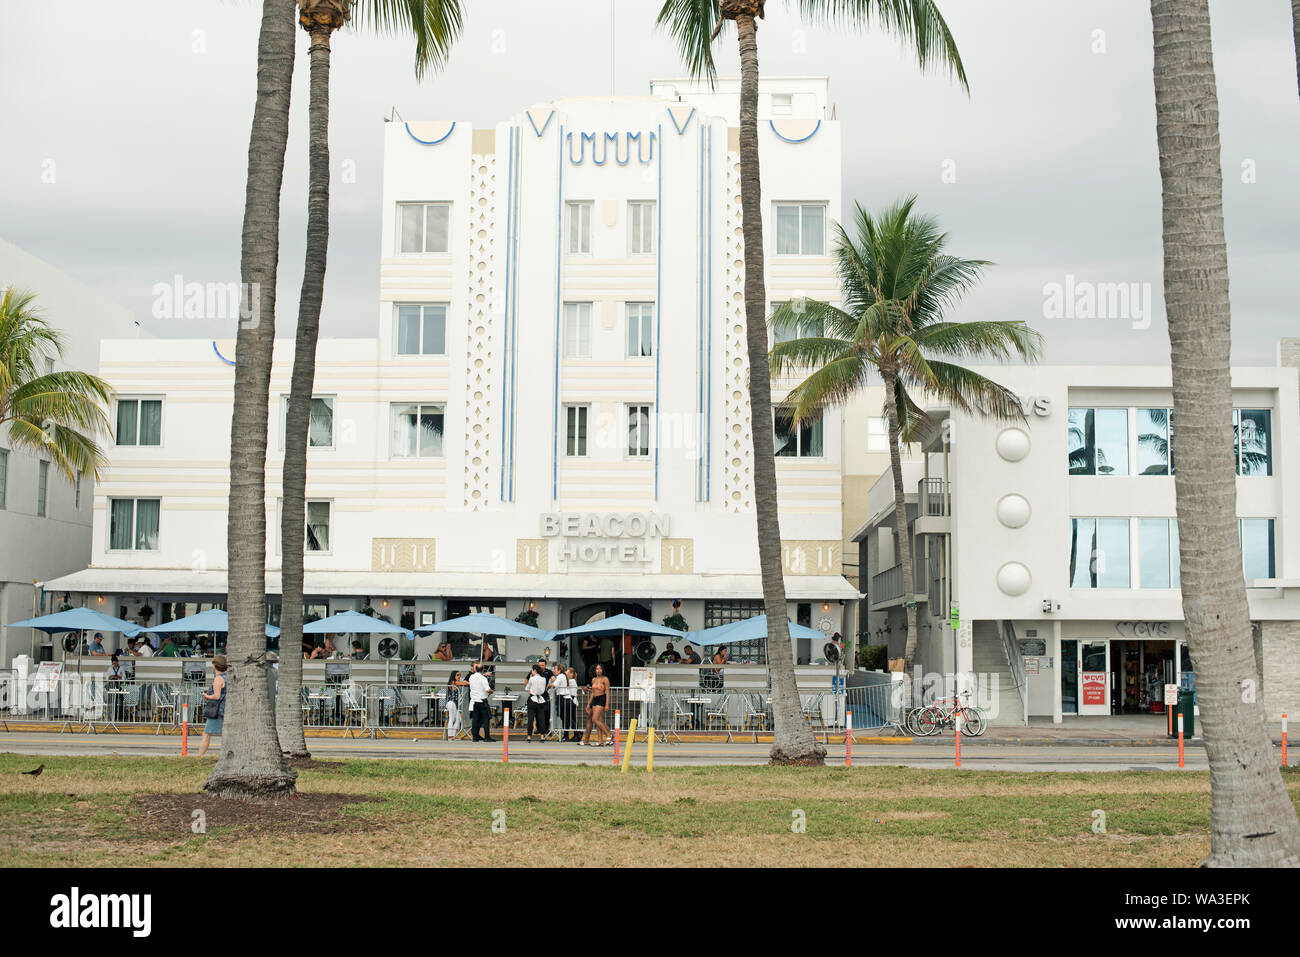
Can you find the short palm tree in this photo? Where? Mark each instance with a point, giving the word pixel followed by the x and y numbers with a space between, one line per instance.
pixel 896 283
pixel 63 413
pixel 695 24
pixel 435 25
pixel 1252 819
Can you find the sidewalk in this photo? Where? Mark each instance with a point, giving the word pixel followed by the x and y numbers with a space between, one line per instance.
pixel 1102 730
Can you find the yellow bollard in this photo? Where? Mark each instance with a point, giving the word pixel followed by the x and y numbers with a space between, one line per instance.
pixel 650 752
pixel 627 750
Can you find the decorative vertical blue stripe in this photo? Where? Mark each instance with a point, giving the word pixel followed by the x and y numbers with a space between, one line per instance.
pixel 659 312
pixel 708 392
pixel 514 315
pixel 505 352
pixel 559 296
pixel 699 330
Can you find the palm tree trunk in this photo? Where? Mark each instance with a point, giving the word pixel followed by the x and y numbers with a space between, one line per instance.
pixel 792 741
pixel 250 766
pixel 288 716
pixel 1253 822
pixel 900 518
pixel 1295 30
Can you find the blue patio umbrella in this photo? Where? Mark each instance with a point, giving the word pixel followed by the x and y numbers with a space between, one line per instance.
pixel 353 622
pixel 214 620
pixel 747 630
pixel 79 619
pixel 623 624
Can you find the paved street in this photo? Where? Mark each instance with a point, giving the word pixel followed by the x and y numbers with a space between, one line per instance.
pixel 980 756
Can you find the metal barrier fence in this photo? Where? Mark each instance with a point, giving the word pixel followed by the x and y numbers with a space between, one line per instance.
pixel 90 704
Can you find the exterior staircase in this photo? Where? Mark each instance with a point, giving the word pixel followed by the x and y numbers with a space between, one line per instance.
pixel 990 658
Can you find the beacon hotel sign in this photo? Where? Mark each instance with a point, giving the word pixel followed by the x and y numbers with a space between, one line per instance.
pixel 608 538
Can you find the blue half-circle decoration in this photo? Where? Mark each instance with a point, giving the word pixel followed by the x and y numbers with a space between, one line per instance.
pixel 228 362
pixel 791 139
pixel 429 142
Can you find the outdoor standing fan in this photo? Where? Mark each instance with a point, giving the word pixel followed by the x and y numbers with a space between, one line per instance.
pixel 388 647
pixel 831 651
pixel 70 643
pixel 644 651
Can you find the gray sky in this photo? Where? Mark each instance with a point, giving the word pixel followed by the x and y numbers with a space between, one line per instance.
pixel 140 114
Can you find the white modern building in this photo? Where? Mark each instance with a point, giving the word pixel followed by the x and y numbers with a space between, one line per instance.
pixel 553 412
pixel 1055 543
pixel 45 519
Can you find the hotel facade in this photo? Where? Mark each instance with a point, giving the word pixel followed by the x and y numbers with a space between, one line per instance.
pixel 1046 550
pixel 553 411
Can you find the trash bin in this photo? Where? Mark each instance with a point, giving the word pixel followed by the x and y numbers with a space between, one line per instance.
pixel 1187 708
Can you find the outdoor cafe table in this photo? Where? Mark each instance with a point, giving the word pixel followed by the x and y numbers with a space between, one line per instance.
pixel 429 699
pixel 507 701
pixel 320 697
pixel 381 696
pixel 115 708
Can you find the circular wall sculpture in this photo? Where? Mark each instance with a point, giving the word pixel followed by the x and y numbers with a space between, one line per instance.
pixel 1012 444
pixel 1014 579
pixel 1013 510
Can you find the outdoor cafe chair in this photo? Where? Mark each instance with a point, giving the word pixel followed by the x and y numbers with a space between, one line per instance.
pixel 163 706
pixel 402 710
pixel 129 703
pixel 715 713
pixel 755 718
pixel 683 717
pixel 353 708
pixel 812 710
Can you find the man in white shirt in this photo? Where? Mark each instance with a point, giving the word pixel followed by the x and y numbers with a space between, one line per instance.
pixel 566 688
pixel 144 649
pixel 536 688
pixel 480 709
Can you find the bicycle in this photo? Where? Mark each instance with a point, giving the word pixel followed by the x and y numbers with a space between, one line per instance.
pixel 934 718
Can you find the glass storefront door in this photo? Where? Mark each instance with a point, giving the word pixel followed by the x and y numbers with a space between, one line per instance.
pixel 1069 676
pixel 1094 677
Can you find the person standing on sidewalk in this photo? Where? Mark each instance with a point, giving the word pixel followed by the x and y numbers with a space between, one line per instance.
pixel 536 688
pixel 480 710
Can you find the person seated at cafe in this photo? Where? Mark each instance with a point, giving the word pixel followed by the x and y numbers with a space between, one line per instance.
pixel 201 647
pixel 168 649
pixel 489 653
pixel 444 651
pixel 115 672
pixel 143 649
pixel 97 645
pixel 358 653
pixel 318 652
pixel 308 647
pixel 689 656
pixel 668 656
pixel 330 650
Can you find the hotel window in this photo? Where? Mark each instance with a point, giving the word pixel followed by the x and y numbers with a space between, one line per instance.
pixel 640 329
pixel 1251 441
pixel 4 477
pixel 42 489
pixel 640 228
pixel 724 612
pixel 1099 553
pixel 877 434
pixel 799 439
pixel 320 423
pixel 804 328
pixel 800 229
pixel 133 524
pixel 422 329
pixel 1158 553
pixel 424 227
pixel 579 227
pixel 139 422
pixel 1258 548
pixel 1098 441
pixel 576 430
pixel 318 527
pixel 577 330
pixel 1155 442
pixel 638 430
pixel 417 431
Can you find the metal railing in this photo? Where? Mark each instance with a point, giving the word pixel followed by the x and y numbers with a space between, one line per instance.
pixel 887 585
pixel 931 497
pixel 1012 648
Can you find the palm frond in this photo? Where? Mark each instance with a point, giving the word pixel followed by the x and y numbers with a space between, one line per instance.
pixel 435 25
pixel 690 23
pixel 971 392
pixel 986 339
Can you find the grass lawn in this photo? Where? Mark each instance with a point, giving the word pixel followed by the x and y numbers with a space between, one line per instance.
pixel 120 811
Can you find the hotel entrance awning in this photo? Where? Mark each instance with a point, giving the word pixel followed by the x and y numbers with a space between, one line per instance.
pixel 186 582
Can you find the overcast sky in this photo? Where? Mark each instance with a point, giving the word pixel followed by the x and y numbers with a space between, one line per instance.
pixel 139 114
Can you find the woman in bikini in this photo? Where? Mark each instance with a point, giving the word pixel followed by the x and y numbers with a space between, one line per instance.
pixel 596 709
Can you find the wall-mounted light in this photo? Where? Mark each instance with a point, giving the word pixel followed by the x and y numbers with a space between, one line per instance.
pixel 826 606
pixel 385 602
pixel 532 606
pixel 100 599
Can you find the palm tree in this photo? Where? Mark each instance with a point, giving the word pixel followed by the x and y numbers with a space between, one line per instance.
pixel 251 766
pixel 896 281
pixel 435 24
pixel 1252 819
pixel 695 24
pixel 60 414
pixel 1295 30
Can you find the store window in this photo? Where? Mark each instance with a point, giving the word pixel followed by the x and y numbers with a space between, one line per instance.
pixel 1252 441
pixel 1098 441
pixel 1099 553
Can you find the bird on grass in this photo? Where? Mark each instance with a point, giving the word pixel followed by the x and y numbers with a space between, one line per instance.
pixel 35 772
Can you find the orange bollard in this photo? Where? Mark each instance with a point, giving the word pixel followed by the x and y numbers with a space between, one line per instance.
pixel 185 730
pixel 505 738
pixel 1180 739
pixel 848 739
pixel 1284 739
pixel 957 725
pixel 618 721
